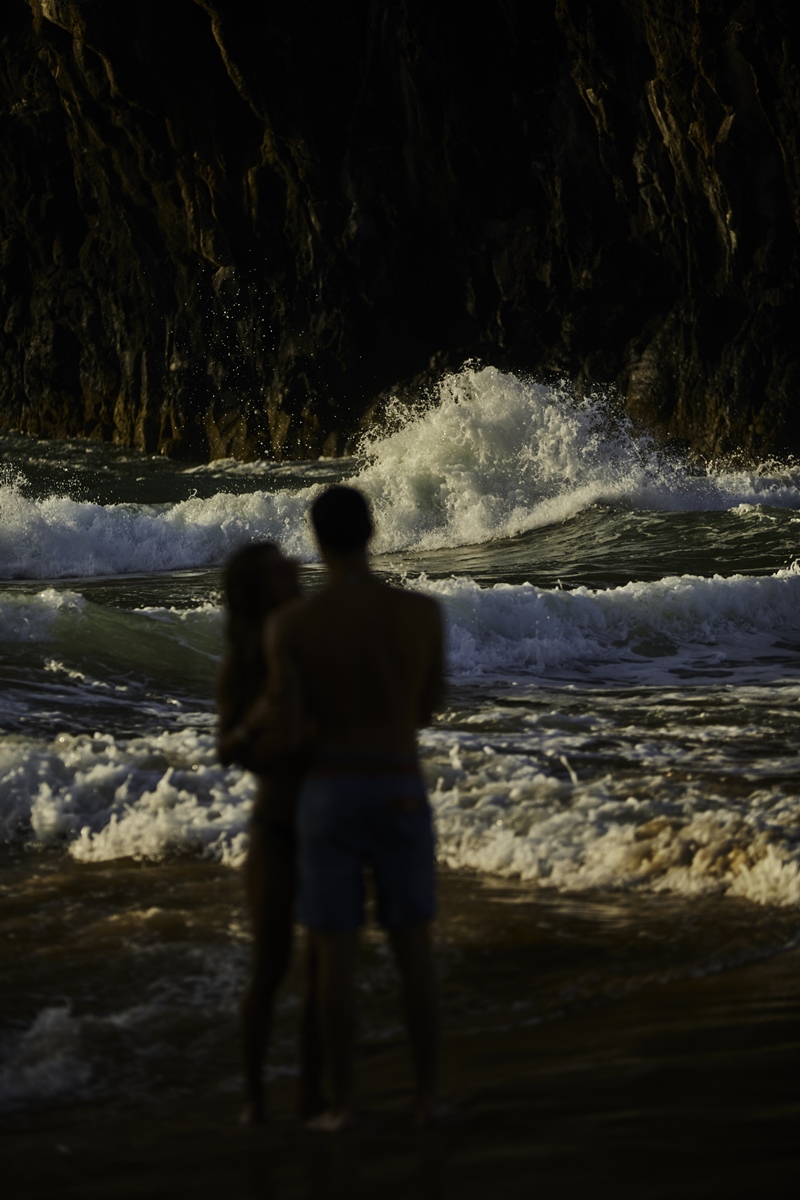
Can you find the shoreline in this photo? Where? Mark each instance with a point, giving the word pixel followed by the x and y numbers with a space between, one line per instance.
pixel 683 1085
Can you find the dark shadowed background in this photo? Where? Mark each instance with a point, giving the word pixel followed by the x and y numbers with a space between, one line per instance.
pixel 230 229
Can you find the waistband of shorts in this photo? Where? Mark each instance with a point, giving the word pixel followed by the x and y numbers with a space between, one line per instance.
pixel 332 762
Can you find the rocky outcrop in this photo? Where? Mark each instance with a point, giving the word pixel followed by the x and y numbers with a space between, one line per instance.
pixel 228 229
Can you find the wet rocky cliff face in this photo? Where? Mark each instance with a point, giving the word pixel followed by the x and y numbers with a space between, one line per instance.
pixel 226 228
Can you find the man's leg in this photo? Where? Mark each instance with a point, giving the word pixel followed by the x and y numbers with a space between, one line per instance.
pixel 336 953
pixel 412 948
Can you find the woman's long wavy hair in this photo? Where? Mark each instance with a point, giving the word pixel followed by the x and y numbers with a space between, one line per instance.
pixel 248 602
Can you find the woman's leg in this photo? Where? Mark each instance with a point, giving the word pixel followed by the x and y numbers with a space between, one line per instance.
pixel 311 1096
pixel 270 881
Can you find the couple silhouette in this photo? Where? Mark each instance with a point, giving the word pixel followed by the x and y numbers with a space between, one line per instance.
pixel 321 696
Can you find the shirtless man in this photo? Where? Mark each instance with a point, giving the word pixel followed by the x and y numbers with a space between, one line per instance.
pixel 360 663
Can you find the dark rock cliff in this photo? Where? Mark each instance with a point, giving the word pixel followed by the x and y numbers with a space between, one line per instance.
pixel 227 228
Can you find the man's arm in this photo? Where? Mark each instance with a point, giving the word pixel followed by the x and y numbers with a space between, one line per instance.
pixel 234 734
pixel 274 725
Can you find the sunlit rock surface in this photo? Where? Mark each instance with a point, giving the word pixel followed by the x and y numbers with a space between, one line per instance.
pixel 226 228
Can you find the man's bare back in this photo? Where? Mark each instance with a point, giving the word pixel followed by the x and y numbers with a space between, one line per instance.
pixel 366 660
pixel 358 668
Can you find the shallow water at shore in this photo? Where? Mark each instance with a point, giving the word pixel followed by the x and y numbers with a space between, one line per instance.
pixel 131 976
pixel 657 1084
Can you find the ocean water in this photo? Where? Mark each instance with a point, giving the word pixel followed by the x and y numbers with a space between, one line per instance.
pixel 620 736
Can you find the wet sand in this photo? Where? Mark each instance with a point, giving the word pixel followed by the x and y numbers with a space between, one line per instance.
pixel 642 1087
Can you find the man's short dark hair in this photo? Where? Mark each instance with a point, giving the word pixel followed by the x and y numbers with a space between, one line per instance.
pixel 341 519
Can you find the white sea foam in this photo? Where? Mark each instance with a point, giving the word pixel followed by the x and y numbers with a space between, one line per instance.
pixel 59 537
pixel 139 798
pixel 647 629
pixel 490 456
pixel 47 1061
pixel 66 1053
pixel 659 626
pixel 532 803
pixel 497 455
pixel 506 814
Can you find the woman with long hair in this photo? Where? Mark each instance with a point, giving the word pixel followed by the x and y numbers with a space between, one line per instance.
pixel 258 579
